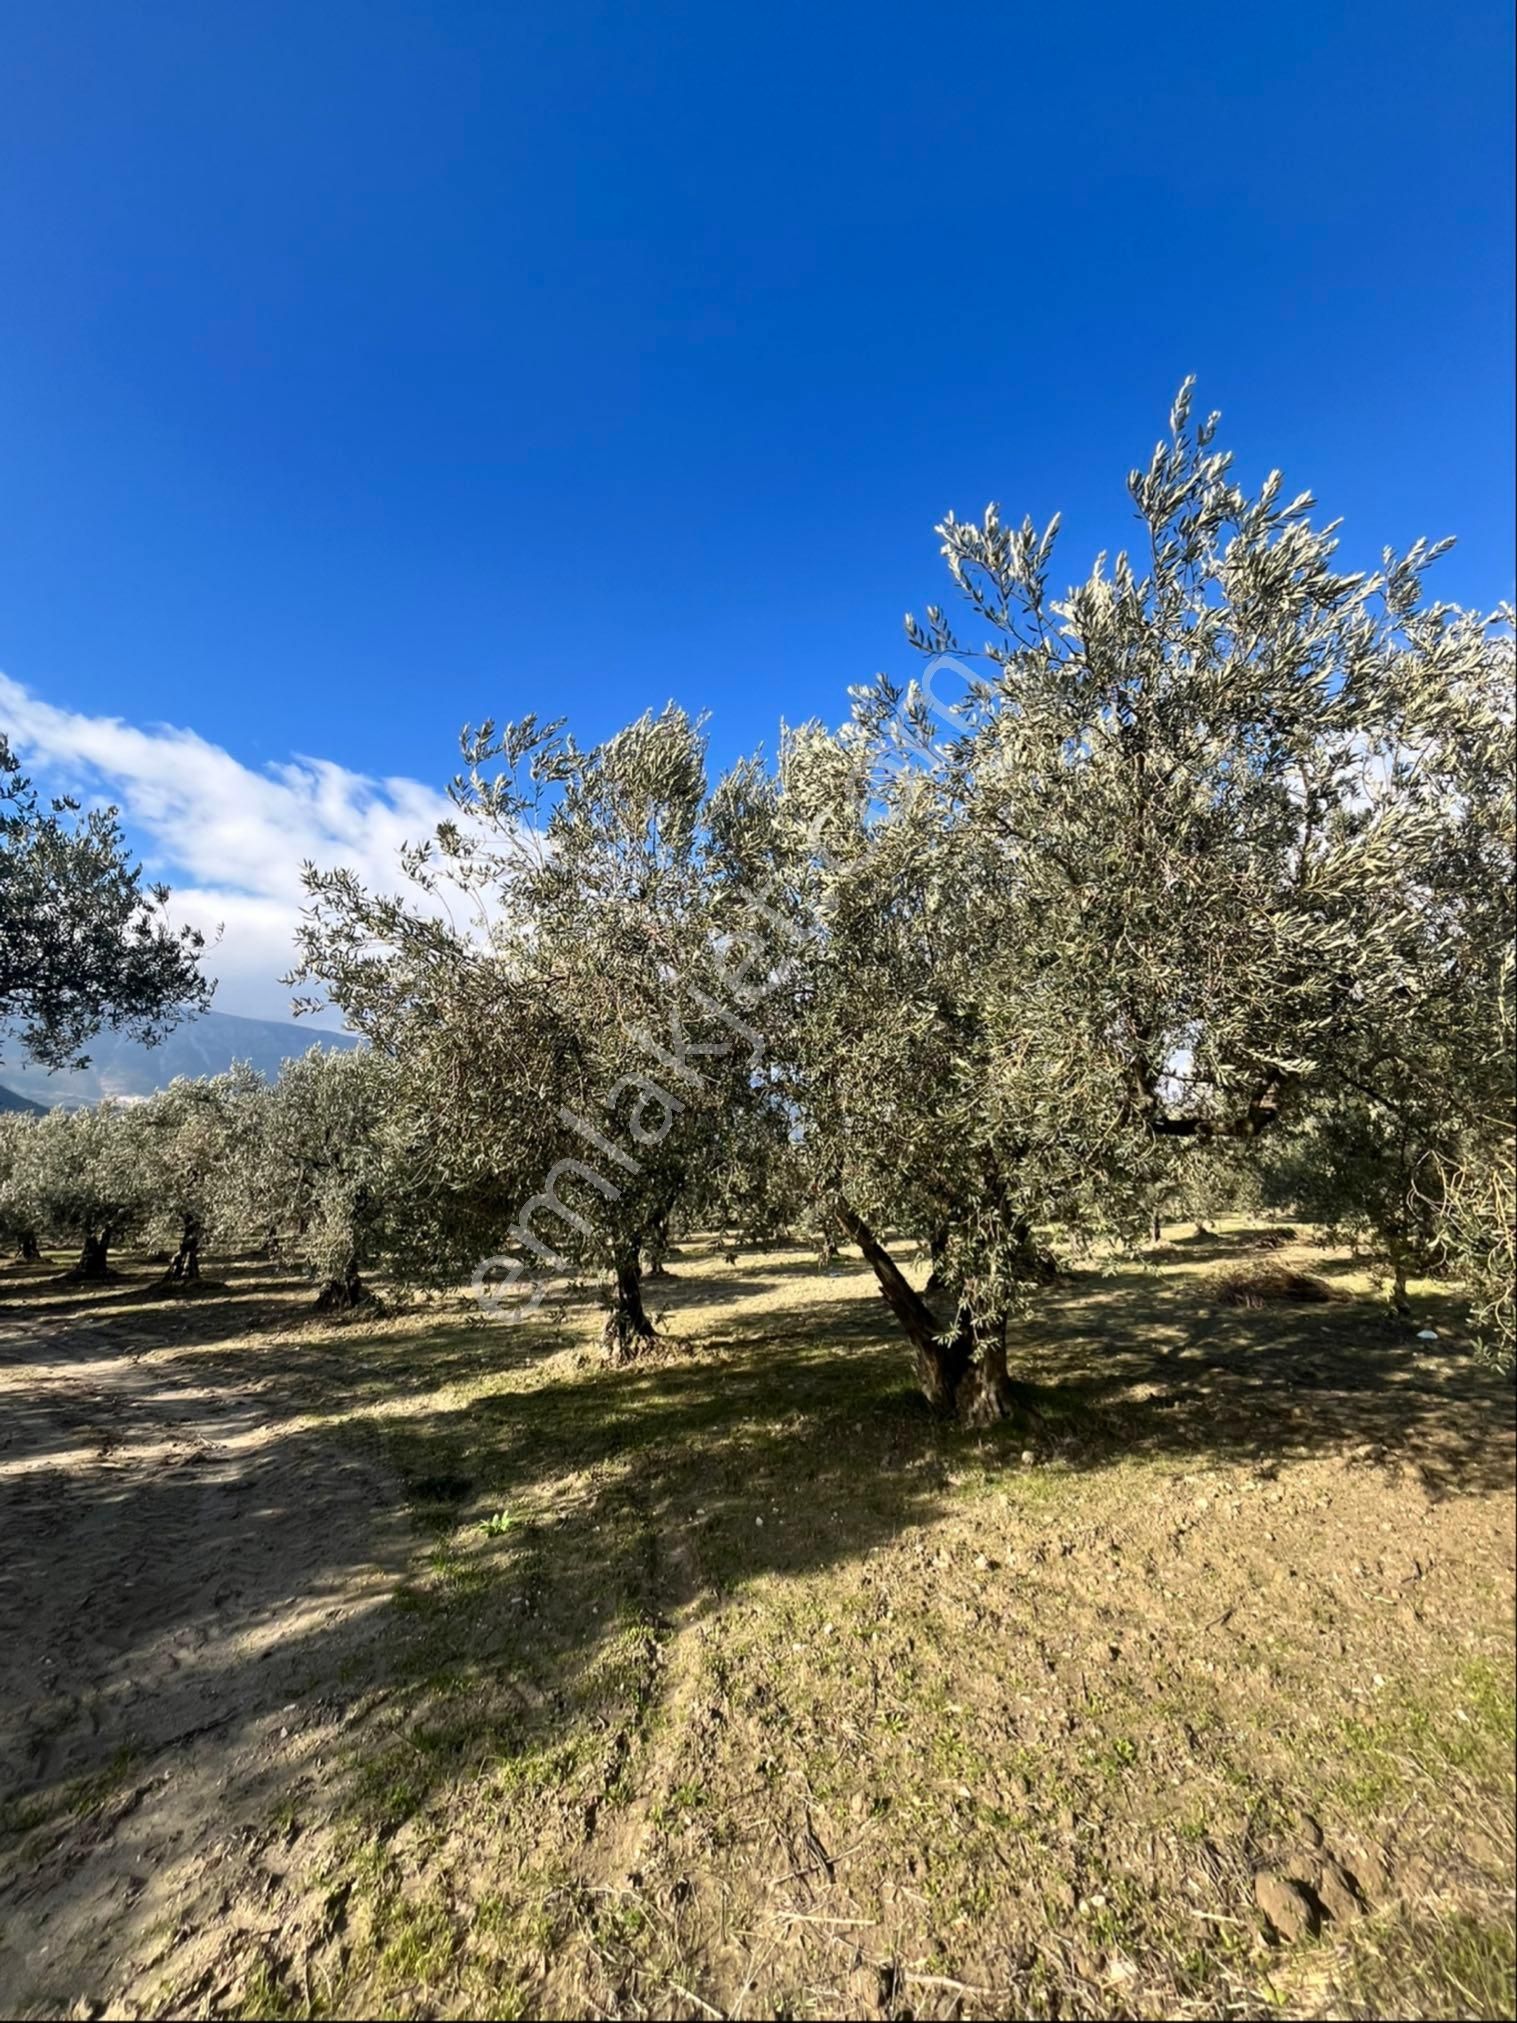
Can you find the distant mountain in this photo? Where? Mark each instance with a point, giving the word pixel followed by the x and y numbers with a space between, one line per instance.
pixel 9 1100
pixel 207 1045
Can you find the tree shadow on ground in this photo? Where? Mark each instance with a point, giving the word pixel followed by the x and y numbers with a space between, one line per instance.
pixel 236 1298
pixel 270 1302
pixel 680 1294
pixel 1206 1245
pixel 623 1500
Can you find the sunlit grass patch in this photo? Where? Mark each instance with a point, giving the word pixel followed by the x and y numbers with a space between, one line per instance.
pixel 1044 1701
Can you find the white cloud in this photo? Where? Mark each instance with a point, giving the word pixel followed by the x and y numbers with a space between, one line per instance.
pixel 230 840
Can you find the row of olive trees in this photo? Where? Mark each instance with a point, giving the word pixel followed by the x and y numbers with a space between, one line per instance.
pixel 303 1169
pixel 1210 859
pixel 331 1167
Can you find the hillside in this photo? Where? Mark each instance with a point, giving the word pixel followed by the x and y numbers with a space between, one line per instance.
pixel 122 1067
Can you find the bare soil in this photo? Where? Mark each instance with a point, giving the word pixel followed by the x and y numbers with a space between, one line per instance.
pixel 426 1666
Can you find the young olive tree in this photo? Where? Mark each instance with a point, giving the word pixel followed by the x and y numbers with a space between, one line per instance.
pixel 18 1220
pixel 749 1186
pixel 328 1170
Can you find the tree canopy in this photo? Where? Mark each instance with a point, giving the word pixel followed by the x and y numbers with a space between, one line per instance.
pixel 83 942
pixel 1197 878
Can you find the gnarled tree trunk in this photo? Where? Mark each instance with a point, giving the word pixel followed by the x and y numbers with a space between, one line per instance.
pixel 628 1327
pixel 940 1364
pixel 344 1292
pixel 961 1370
pixel 95 1257
pixel 185 1263
pixel 987 1392
pixel 30 1250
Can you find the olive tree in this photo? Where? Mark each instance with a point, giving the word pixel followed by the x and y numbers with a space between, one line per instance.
pixel 326 1169
pixel 870 1008
pixel 199 1142
pixel 18 1219
pixel 1408 1142
pixel 83 942
pixel 546 990
pixel 1134 887
pixel 80 1174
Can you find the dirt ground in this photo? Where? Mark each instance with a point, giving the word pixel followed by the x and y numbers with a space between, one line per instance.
pixel 431 1667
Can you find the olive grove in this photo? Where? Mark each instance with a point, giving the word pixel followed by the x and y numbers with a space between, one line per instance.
pixel 1195 879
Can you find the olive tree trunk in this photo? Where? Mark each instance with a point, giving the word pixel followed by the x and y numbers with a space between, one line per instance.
pixel 987 1391
pixel 961 1370
pixel 94 1257
pixel 343 1292
pixel 185 1263
pixel 937 1247
pixel 655 1249
pixel 1400 1302
pixel 628 1328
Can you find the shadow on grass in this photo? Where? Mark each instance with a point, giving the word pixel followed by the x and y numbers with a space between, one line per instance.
pixel 263 1296
pixel 781 1444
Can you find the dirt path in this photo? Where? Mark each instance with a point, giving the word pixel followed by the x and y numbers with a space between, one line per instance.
pixel 188 1574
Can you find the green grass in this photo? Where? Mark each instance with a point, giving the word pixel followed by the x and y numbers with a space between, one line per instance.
pixel 665 1629
pixel 1462 1720
pixel 736 1494
pixel 1452 1964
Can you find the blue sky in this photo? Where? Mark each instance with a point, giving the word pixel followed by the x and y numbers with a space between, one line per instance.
pixel 365 368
